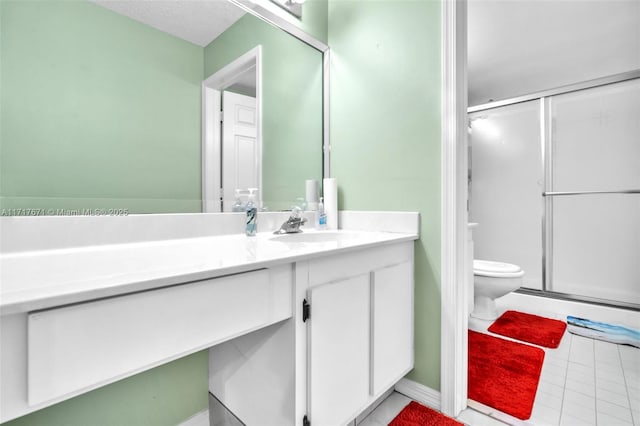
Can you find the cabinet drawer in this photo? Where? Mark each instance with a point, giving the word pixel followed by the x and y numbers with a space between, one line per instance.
pixel 80 347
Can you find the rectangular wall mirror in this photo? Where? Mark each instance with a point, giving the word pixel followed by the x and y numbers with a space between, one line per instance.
pixel 102 107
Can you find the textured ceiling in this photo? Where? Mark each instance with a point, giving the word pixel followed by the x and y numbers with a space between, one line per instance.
pixel 197 21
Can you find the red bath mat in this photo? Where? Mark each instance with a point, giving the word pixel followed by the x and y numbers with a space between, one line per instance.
pixel 503 374
pixel 530 328
pixel 416 414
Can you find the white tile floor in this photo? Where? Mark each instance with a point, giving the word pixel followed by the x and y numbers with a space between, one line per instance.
pixel 589 382
pixel 583 382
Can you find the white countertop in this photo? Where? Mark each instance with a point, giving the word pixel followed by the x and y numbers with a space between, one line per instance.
pixel 34 280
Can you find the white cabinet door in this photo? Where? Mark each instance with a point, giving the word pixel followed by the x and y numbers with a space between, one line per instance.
pixel 338 350
pixel 392 325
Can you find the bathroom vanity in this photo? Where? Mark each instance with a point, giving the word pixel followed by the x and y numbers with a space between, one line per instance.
pixel 314 327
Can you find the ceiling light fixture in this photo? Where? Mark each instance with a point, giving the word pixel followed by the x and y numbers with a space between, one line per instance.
pixel 294 7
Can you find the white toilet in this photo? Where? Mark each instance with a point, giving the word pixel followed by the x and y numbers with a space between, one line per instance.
pixel 492 280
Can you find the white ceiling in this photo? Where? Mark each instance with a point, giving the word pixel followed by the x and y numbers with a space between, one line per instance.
pixel 518 47
pixel 196 21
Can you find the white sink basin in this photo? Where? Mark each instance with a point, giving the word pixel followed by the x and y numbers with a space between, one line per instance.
pixel 314 237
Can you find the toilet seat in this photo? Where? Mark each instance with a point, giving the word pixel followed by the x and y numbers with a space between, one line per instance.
pixel 487 268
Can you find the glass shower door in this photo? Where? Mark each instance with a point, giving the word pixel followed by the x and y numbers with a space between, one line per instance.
pixel 593 193
pixel 506 184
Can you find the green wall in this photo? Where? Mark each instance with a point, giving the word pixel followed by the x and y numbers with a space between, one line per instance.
pixel 292 105
pixel 163 396
pixel 97 111
pixel 385 134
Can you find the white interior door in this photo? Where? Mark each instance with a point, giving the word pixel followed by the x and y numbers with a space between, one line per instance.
pixel 241 168
pixel 338 350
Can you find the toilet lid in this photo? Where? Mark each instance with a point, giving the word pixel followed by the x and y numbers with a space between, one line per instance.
pixel 495 267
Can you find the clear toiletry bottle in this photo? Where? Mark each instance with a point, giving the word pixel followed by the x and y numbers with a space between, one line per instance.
pixel 252 214
pixel 238 206
pixel 322 215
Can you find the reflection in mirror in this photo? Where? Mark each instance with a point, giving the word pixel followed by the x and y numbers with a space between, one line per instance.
pixel 101 105
pixel 294 7
pixel 232 133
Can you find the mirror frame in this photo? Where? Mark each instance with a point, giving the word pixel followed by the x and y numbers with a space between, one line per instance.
pixel 279 22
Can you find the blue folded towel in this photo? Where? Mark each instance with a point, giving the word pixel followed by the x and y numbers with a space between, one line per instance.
pixel 603 331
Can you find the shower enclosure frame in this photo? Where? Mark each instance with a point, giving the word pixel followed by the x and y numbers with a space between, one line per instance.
pixel 543 99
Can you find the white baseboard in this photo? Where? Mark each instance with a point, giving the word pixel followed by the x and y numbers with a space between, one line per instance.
pixel 198 419
pixel 418 392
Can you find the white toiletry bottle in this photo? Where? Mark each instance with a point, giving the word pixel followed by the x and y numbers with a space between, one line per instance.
pixel 238 206
pixel 322 215
pixel 252 214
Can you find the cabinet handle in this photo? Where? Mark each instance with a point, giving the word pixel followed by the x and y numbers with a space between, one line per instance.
pixel 306 310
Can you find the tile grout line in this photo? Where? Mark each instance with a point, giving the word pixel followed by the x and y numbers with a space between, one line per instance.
pixel 566 377
pixel 566 374
pixel 626 387
pixel 595 382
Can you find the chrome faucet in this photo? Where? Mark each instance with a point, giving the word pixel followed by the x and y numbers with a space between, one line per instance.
pixel 293 224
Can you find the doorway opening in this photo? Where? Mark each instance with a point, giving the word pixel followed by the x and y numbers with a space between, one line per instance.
pixel 232 132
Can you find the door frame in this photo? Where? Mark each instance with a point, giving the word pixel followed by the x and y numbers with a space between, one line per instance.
pixel 454 281
pixel 212 89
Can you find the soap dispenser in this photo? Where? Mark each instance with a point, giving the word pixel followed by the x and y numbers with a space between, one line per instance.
pixel 322 215
pixel 252 214
pixel 238 206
